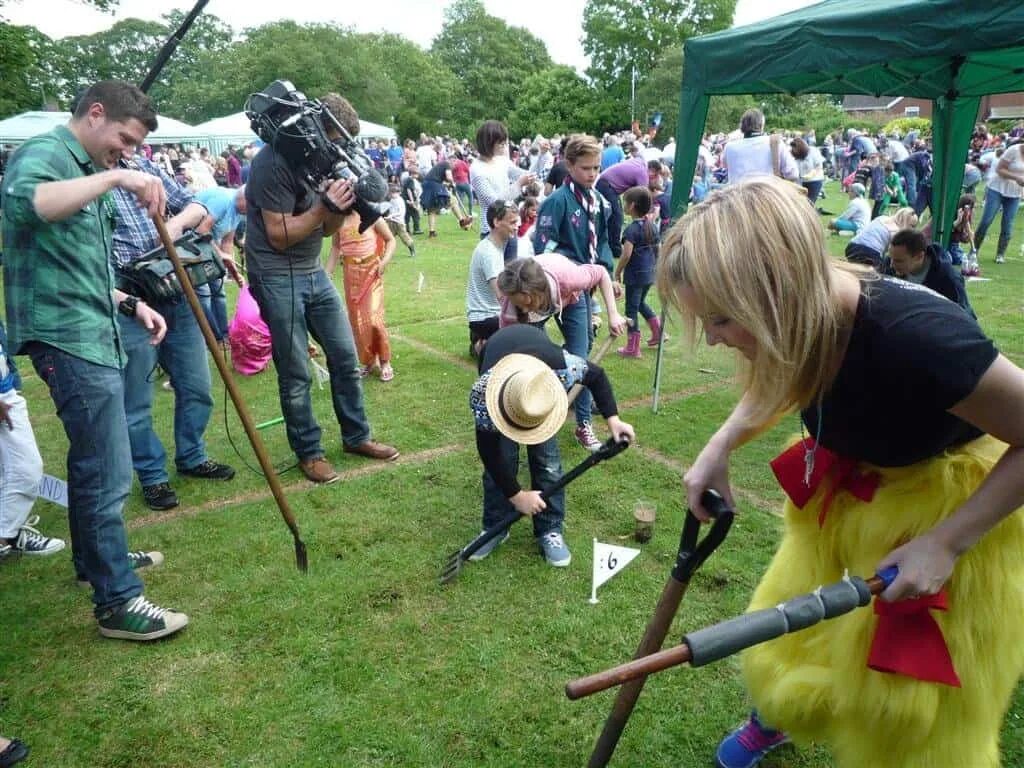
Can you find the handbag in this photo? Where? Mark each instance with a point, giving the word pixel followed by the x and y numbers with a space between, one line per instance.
pixel 152 275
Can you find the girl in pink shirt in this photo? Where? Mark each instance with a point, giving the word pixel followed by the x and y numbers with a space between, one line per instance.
pixel 533 289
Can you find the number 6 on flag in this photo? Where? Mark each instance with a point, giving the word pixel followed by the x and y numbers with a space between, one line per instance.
pixel 607 561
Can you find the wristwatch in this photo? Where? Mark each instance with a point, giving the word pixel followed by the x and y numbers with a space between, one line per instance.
pixel 128 306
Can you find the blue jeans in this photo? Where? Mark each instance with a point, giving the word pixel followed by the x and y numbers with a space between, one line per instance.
pixel 294 306
pixel 909 173
pixel 636 296
pixel 813 190
pixel 215 307
pixel 182 354
pixel 90 403
pixel 993 202
pixel 578 333
pixel 465 192
pixel 545 462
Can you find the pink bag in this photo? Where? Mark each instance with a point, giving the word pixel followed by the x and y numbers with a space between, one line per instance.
pixel 249 336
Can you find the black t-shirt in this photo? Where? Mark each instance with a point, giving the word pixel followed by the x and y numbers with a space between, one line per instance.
pixel 557 174
pixel 912 355
pixel 439 172
pixel 409 190
pixel 275 187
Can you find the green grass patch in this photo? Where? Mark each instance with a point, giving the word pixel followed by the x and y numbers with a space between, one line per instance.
pixel 365 661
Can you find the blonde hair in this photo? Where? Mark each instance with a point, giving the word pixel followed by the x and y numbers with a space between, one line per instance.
pixel 755 253
pixel 905 218
pixel 580 145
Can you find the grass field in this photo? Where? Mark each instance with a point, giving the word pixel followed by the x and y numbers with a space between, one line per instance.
pixel 365 661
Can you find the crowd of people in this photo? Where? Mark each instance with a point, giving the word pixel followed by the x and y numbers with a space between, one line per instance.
pixel 748 266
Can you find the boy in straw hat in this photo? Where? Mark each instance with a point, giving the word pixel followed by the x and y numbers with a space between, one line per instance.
pixel 520 399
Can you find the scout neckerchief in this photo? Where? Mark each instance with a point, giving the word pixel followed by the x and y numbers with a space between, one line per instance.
pixel 587 198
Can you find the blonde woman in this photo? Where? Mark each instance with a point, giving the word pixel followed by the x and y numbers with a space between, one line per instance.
pixel 870 244
pixel 912 455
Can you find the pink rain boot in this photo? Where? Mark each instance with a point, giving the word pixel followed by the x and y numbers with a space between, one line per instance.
pixel 656 332
pixel 632 348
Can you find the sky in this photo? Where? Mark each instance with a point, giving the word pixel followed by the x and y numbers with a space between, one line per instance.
pixel 558 24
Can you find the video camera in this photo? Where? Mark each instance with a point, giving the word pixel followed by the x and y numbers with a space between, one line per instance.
pixel 296 127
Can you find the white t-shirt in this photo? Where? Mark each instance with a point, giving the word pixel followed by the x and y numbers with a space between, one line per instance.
pixel 396 209
pixel 752 157
pixel 895 151
pixel 1008 187
pixel 426 157
pixel 485 265
pixel 858 212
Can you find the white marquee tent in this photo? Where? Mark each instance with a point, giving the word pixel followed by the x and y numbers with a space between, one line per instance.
pixel 216 133
pixel 234 129
pixel 16 129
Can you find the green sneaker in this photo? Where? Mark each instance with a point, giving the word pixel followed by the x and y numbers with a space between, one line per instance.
pixel 139 619
pixel 136 560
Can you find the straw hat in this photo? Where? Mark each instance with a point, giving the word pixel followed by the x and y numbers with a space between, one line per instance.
pixel 525 399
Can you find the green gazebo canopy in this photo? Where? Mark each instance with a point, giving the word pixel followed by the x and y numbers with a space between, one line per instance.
pixel 952 52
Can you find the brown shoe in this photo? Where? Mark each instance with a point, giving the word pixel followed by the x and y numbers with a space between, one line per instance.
pixel 319 470
pixel 371 449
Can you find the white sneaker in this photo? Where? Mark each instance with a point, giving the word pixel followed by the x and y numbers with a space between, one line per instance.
pixel 31 542
pixel 1000 259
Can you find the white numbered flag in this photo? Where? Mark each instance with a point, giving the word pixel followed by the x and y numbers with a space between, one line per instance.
pixel 608 561
pixel 54 489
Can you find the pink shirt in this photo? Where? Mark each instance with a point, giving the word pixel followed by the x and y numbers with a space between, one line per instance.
pixel 566 281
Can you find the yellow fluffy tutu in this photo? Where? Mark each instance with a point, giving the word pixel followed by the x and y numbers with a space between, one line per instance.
pixel 816 685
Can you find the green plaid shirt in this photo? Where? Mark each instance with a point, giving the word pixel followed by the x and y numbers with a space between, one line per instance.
pixel 58 281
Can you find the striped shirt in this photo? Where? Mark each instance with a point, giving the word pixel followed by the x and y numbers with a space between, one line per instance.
pixel 136 233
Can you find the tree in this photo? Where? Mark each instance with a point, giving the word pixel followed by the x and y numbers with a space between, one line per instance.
pixel 427 89
pixel 123 52
pixel 208 39
pixel 558 100
pixel 620 36
pixel 26 84
pixel 490 58
pixel 316 58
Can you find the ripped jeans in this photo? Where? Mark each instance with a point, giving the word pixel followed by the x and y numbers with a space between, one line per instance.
pixel 545 470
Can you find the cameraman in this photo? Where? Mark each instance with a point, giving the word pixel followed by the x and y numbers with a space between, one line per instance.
pixel 286 223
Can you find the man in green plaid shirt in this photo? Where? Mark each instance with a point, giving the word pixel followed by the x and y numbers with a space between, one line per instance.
pixel 62 311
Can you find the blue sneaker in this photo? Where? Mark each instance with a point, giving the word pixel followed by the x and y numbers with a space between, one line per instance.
pixel 744 747
pixel 489 547
pixel 553 546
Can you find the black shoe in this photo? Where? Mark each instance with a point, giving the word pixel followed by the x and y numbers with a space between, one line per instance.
pixel 209 470
pixel 159 496
pixel 13 753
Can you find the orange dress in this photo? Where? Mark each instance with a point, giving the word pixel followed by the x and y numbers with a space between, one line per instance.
pixel 364 291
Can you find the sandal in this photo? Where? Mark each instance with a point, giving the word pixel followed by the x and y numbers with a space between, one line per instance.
pixel 387 373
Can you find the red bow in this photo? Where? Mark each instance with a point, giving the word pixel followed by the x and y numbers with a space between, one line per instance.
pixel 790 465
pixel 907 641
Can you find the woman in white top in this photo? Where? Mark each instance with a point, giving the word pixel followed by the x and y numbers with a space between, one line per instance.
pixel 811 165
pixel 1004 189
pixel 494 177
